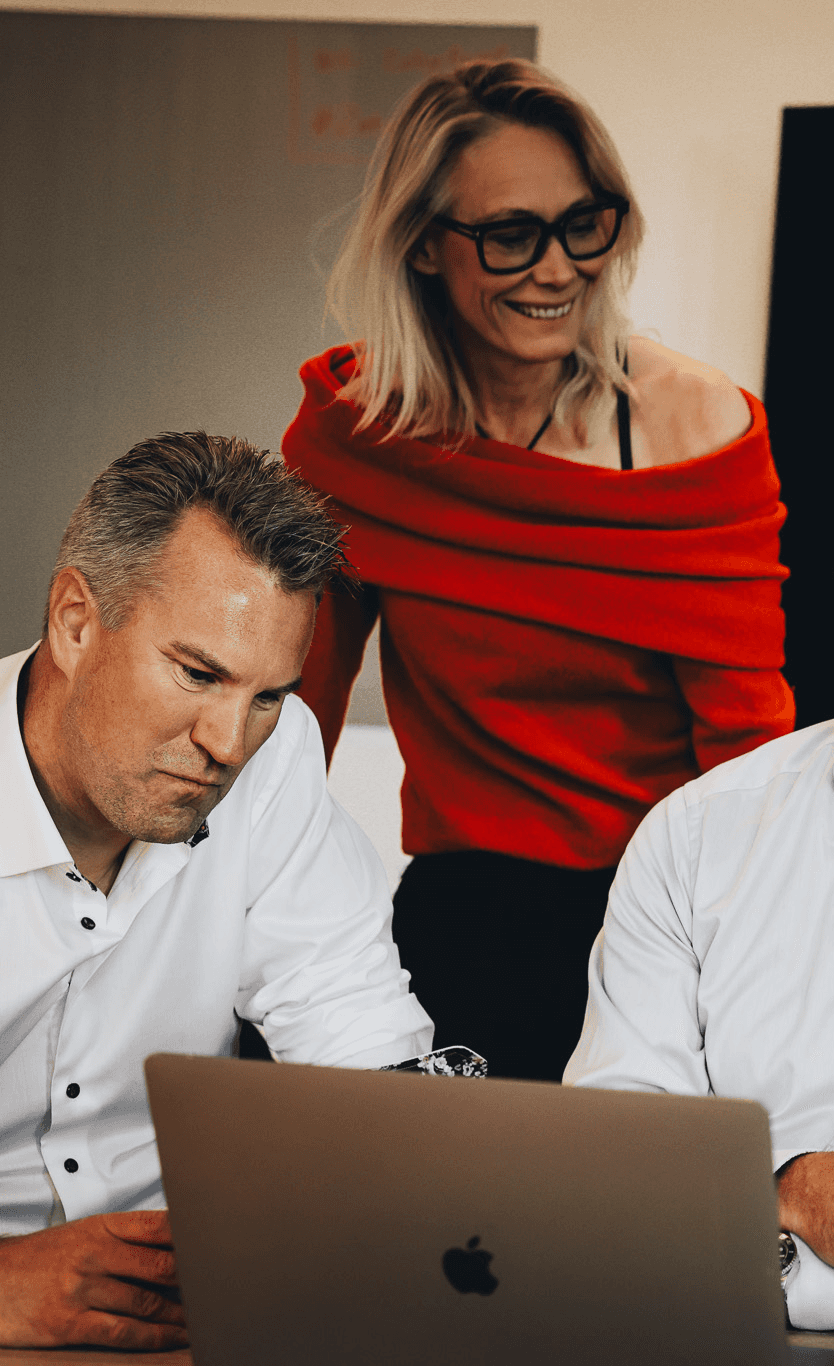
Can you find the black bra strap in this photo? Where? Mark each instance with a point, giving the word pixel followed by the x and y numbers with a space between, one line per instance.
pixel 542 429
pixel 624 425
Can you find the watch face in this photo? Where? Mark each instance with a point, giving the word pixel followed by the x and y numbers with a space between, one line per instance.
pixel 787 1252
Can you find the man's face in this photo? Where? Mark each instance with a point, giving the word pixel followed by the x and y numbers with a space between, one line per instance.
pixel 163 714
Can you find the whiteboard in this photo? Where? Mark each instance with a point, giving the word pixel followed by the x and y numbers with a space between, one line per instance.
pixel 169 186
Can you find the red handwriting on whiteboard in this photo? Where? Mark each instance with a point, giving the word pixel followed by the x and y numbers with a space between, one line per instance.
pixel 344 120
pixel 343 60
pixel 417 60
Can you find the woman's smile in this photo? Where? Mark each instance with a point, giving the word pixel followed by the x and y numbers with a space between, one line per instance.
pixel 545 311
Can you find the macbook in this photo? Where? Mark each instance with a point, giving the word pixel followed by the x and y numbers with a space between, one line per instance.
pixel 335 1217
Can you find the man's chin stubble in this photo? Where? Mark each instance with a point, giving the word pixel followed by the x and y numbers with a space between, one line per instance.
pixel 168 830
pixel 171 825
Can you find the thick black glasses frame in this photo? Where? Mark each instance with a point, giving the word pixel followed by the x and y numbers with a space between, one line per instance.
pixel 558 229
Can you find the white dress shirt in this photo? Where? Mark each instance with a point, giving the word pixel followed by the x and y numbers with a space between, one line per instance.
pixel 281 914
pixel 714 972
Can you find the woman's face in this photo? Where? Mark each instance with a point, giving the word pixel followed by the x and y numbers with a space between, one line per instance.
pixel 538 314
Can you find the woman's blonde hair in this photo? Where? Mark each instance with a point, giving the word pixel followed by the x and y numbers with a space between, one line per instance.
pixel 409 372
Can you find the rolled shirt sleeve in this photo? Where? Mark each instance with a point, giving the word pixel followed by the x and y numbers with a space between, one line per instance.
pixel 320 973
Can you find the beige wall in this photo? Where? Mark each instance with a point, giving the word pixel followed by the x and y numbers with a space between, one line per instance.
pixel 692 93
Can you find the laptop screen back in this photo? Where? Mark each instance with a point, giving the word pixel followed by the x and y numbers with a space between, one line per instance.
pixel 331 1216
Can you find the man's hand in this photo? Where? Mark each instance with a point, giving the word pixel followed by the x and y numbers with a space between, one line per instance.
pixel 806 1202
pixel 106 1281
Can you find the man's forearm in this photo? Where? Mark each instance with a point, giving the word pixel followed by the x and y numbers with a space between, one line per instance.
pixel 806 1201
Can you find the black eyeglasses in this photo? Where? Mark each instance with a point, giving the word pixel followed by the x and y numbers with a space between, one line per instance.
pixel 507 245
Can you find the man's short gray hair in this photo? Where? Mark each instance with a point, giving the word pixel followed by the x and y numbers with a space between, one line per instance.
pixel 120 527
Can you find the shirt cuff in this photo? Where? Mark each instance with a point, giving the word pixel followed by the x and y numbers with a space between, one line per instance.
pixel 811 1291
pixel 408 1046
pixel 383 1054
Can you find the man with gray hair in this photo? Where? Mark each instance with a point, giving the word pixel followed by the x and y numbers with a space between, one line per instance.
pixel 180 611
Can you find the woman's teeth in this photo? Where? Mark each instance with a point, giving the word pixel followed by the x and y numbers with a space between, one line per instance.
pixel 532 311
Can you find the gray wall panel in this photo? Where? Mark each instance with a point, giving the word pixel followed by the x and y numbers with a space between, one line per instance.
pixel 165 181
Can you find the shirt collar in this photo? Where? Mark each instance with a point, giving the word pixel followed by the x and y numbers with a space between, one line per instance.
pixel 29 838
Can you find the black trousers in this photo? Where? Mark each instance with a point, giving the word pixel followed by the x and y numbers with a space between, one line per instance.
pixel 497 948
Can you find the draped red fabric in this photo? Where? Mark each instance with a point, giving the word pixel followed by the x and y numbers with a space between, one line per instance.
pixel 519 592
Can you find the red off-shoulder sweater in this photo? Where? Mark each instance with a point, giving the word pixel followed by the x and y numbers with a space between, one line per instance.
pixel 561 645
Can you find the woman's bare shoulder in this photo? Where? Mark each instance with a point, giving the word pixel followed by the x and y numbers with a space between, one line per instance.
pixel 685 409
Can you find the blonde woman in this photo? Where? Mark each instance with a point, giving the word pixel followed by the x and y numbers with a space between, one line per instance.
pixel 570 535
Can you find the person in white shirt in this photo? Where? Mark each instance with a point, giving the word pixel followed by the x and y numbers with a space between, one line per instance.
pixel 713 973
pixel 180 612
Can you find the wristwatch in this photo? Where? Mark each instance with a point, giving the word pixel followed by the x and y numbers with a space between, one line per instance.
pixel 788 1264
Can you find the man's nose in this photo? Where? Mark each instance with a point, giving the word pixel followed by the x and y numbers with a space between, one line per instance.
pixel 220 730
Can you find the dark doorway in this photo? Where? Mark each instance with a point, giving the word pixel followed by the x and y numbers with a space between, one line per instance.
pixel 798 394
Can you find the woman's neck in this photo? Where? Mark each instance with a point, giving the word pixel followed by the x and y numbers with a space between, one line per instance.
pixel 513 398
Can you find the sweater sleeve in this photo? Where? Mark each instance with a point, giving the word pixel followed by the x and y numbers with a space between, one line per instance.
pixel 343 624
pixel 733 710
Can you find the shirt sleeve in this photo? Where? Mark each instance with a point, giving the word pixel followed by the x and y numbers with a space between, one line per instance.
pixel 733 710
pixel 343 624
pixel 641 1029
pixel 320 972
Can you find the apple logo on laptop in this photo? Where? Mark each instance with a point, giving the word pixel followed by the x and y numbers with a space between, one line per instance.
pixel 467 1268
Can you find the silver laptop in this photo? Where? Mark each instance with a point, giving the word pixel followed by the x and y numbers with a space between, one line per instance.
pixel 332 1217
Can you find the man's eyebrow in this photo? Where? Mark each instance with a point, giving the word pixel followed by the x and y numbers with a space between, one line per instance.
pixel 207 662
pixel 283 690
pixel 211 665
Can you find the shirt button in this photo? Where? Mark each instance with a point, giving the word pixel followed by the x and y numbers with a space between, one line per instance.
pixel 71 1165
pixel 88 923
pixel 73 1090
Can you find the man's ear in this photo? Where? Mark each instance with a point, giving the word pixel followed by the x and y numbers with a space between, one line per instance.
pixel 74 621
pixel 424 255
